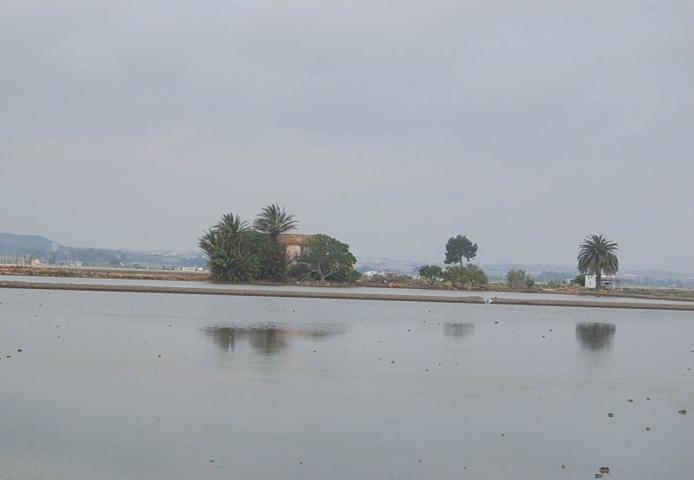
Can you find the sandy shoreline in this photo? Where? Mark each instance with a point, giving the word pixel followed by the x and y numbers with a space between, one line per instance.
pixel 337 295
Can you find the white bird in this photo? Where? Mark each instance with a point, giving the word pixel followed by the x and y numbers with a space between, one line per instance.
pixel 488 300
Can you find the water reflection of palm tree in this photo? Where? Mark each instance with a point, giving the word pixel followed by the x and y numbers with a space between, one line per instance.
pixel 267 339
pixel 595 336
pixel 458 330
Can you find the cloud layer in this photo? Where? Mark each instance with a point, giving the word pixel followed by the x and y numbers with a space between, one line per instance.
pixel 391 125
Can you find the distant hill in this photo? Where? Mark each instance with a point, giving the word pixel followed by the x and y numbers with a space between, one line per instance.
pixel 23 248
pixel 13 244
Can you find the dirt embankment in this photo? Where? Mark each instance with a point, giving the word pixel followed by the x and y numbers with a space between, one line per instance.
pixel 139 274
pixel 342 295
pixel 117 273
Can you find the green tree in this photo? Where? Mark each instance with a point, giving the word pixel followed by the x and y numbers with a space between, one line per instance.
pixel 328 258
pixel 598 255
pixel 230 250
pixel 431 273
pixel 299 271
pixel 516 278
pixel 274 261
pixel 456 276
pixel 274 221
pixel 476 276
pixel 458 248
pixel 460 277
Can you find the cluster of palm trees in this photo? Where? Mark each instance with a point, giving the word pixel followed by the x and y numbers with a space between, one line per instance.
pixel 237 252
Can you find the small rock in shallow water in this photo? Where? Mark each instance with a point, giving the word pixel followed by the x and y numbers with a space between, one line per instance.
pixel 610 414
pixel 682 412
pixel 648 429
pixel 604 469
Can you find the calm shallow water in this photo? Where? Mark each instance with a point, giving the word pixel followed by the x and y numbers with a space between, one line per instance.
pixel 130 386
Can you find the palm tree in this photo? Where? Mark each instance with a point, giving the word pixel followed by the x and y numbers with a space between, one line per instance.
pixel 274 221
pixel 227 249
pixel 231 225
pixel 596 255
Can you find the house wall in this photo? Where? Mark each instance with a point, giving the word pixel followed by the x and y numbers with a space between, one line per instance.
pixel 293 252
pixel 293 243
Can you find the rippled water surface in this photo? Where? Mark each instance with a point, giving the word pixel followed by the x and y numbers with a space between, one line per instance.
pixel 132 386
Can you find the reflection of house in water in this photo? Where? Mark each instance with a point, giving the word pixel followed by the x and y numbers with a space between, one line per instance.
pixel 458 330
pixel 595 336
pixel 268 339
pixel 294 244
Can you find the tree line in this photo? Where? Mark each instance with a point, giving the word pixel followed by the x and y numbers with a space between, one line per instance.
pixel 239 251
pixel 597 256
pixel 457 274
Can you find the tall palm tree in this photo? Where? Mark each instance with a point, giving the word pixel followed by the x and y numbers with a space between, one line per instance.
pixel 231 225
pixel 274 221
pixel 597 255
pixel 226 249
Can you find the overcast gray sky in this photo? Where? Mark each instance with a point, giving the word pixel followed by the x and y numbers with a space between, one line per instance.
pixel 391 125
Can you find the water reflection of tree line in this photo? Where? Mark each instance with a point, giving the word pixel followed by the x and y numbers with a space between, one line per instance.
pixel 595 335
pixel 268 339
pixel 458 330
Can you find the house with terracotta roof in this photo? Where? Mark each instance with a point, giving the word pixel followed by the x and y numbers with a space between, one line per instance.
pixel 294 244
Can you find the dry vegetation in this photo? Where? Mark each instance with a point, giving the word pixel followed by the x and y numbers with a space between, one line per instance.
pixel 79 272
